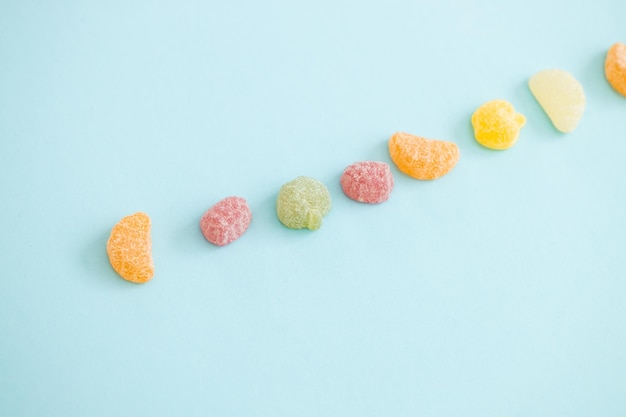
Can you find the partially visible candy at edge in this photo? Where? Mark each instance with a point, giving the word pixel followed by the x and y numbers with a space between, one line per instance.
pixel 615 67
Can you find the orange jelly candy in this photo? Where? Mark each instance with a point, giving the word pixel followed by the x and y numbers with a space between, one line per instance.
pixel 130 248
pixel 421 158
pixel 615 67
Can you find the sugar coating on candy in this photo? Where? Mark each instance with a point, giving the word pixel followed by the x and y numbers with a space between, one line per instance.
pixel 367 182
pixel 421 158
pixel 226 221
pixel 561 96
pixel 130 248
pixel 302 203
pixel 615 67
pixel 497 125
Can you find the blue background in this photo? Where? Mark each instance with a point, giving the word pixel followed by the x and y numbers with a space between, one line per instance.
pixel 497 290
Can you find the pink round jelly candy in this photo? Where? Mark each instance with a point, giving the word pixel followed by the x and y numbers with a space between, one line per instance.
pixel 226 221
pixel 367 182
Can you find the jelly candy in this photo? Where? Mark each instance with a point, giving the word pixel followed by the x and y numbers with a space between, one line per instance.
pixel 497 125
pixel 129 248
pixel 421 158
pixel 561 96
pixel 226 221
pixel 367 182
pixel 615 67
pixel 302 203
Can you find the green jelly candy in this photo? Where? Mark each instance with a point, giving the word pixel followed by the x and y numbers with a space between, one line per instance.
pixel 302 203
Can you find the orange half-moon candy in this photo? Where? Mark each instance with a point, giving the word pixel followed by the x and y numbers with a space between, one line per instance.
pixel 130 248
pixel 421 158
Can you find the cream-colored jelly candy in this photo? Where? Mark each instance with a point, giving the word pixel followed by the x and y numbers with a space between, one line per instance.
pixel 302 203
pixel 561 96
pixel 497 125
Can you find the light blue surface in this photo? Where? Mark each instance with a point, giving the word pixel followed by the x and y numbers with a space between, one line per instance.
pixel 497 290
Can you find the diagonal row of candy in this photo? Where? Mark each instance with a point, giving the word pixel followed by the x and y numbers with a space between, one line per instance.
pixel 303 202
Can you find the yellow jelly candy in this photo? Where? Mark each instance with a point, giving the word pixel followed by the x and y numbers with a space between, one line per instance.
pixel 615 67
pixel 129 248
pixel 497 125
pixel 421 158
pixel 561 96
pixel 302 203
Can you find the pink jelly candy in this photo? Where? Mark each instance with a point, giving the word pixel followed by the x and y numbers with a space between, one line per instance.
pixel 226 221
pixel 367 182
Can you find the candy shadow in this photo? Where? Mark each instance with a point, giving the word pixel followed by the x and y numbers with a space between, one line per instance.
pixel 537 121
pixel 463 134
pixel 188 238
pixel 379 152
pixel 593 75
pixel 264 219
